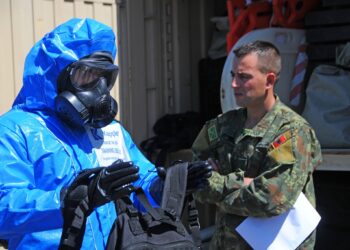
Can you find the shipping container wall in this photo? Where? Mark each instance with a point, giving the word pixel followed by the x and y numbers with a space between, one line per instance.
pixel 161 43
pixel 24 22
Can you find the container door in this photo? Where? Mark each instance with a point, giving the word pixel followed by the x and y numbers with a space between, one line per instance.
pixel 160 45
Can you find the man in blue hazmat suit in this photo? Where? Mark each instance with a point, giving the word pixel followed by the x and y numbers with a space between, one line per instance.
pixel 62 122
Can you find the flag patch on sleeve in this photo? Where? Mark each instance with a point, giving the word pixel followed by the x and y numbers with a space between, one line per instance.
pixel 282 139
pixel 281 149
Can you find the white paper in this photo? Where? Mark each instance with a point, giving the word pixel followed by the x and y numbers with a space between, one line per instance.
pixel 109 144
pixel 285 231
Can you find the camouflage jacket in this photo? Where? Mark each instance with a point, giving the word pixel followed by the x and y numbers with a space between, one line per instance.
pixel 280 153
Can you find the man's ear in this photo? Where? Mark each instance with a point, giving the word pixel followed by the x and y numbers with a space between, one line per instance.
pixel 271 79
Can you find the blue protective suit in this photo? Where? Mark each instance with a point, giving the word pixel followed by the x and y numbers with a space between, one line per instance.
pixel 40 154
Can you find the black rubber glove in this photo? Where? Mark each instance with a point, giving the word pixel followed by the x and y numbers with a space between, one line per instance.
pixel 197 177
pixel 93 188
pixel 113 183
pixel 198 174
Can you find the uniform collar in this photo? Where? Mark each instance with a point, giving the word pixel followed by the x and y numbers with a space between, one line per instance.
pixel 260 129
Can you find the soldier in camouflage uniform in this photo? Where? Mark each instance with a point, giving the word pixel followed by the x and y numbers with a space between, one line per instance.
pixel 265 152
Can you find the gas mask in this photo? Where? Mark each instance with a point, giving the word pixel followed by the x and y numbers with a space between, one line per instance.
pixel 84 91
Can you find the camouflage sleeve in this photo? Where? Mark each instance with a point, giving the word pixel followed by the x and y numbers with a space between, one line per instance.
pixel 219 187
pixel 201 151
pixel 200 146
pixel 287 167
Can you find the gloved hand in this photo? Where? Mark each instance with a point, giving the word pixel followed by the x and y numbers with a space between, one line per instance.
pixel 93 188
pixel 101 185
pixel 197 176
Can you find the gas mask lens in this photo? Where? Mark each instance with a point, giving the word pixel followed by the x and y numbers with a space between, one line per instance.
pixel 84 75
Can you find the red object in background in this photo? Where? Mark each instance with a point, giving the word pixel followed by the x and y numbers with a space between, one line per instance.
pixel 290 13
pixel 233 9
pixel 243 19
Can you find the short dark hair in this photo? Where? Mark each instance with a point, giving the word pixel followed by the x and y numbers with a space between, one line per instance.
pixel 268 54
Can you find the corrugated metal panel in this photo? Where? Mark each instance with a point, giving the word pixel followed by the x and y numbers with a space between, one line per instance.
pixel 43 17
pixel 7 86
pixel 153 55
pixel 159 54
pixel 142 68
pixel 26 21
